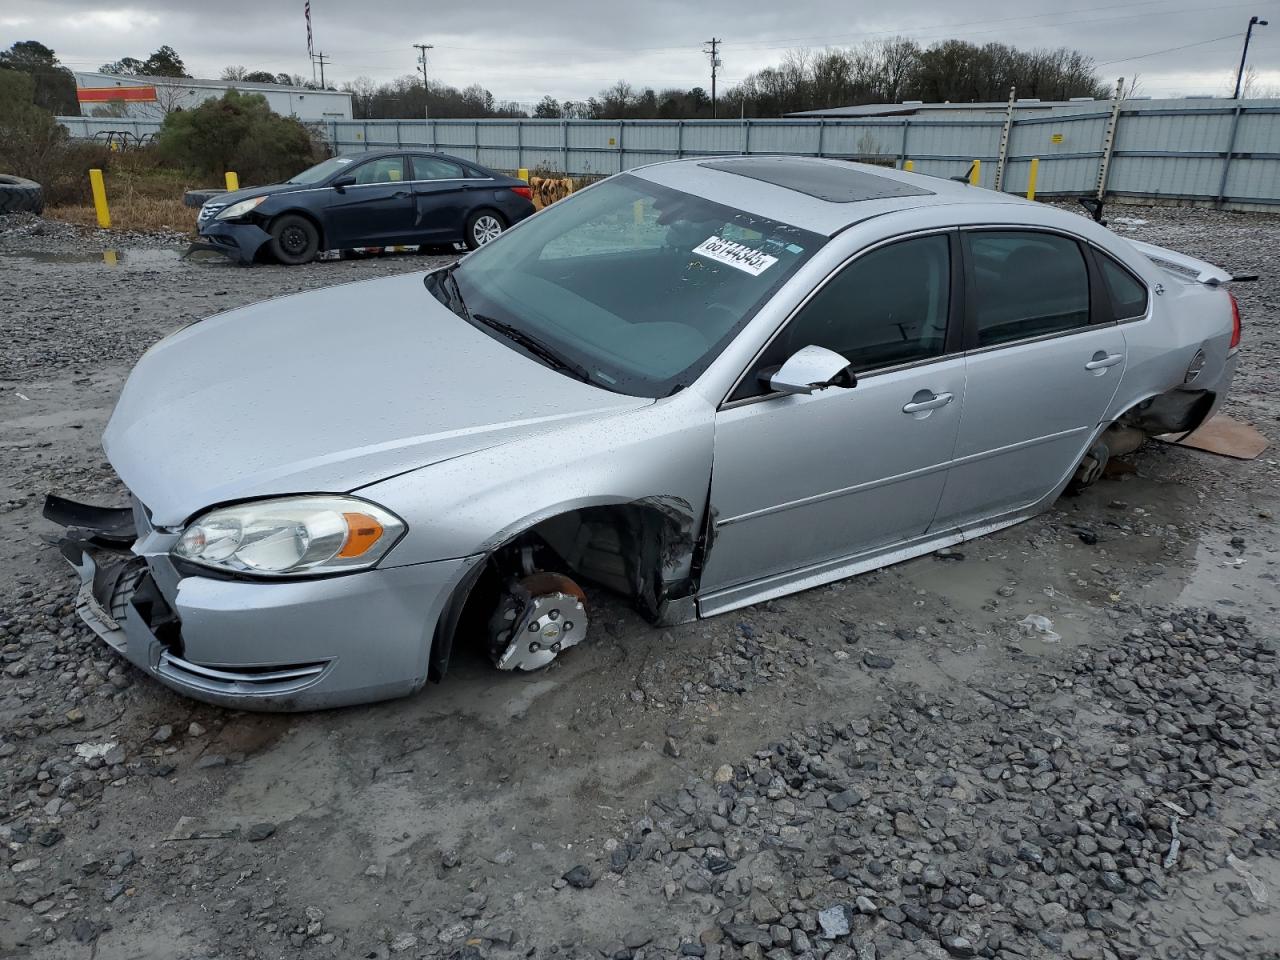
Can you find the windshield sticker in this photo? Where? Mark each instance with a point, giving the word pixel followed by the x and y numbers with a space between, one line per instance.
pixel 342 159
pixel 739 255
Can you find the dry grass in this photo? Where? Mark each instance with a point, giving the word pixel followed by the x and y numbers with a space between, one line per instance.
pixel 132 211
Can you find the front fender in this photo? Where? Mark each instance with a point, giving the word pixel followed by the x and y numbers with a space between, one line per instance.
pixel 657 454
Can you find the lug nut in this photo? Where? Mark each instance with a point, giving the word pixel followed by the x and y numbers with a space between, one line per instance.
pixel 535 647
pixel 568 625
pixel 554 615
pixel 533 626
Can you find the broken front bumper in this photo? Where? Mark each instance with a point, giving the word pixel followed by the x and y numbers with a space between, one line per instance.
pixel 282 645
pixel 239 240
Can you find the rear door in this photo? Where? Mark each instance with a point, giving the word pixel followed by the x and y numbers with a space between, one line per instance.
pixel 441 191
pixel 803 483
pixel 1044 360
pixel 376 210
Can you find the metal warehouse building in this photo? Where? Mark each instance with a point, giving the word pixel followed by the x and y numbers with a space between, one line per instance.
pixel 150 98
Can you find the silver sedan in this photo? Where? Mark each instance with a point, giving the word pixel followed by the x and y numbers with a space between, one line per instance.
pixel 701 384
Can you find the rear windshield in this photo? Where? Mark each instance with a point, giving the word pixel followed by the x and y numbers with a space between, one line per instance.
pixel 639 285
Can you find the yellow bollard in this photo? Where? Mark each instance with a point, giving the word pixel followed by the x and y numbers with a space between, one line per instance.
pixel 523 174
pixel 100 198
pixel 975 173
pixel 233 181
pixel 908 165
pixel 1031 178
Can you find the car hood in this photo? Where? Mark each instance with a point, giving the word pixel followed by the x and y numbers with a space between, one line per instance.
pixel 326 391
pixel 224 200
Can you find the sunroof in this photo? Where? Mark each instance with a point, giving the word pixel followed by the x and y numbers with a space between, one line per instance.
pixel 825 181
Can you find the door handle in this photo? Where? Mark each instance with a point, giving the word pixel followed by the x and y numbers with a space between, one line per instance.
pixel 401 194
pixel 929 401
pixel 1102 360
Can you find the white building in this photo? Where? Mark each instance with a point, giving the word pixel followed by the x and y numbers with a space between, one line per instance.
pixel 150 98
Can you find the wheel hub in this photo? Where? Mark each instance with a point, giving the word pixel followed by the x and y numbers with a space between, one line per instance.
pixel 539 616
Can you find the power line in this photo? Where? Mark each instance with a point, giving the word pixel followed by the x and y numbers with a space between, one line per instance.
pixel 321 59
pixel 1155 53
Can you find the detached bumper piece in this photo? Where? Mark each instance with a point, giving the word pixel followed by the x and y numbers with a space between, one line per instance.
pixel 121 602
pixel 242 241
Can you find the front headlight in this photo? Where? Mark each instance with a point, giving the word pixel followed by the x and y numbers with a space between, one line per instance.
pixel 239 209
pixel 291 536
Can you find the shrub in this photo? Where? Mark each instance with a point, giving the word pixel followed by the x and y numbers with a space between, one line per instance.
pixel 238 132
pixel 30 138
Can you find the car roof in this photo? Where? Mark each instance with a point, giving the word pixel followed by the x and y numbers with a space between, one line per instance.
pixel 818 194
pixel 412 151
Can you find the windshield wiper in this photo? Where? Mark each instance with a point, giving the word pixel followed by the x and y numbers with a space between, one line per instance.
pixel 534 346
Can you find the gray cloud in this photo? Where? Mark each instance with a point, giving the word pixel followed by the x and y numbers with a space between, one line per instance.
pixel 571 48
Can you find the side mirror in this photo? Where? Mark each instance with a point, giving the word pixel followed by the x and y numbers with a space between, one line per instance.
pixel 811 368
pixel 342 183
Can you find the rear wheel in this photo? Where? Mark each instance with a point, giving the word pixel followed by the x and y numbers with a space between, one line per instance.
pixel 482 227
pixel 294 239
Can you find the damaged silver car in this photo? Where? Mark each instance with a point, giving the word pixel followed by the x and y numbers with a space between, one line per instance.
pixel 701 384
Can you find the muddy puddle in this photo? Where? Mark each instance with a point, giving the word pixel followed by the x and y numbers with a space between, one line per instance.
pixel 112 257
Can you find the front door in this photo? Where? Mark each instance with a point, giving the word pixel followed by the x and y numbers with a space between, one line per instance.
pixel 803 481
pixel 375 211
pixel 1044 366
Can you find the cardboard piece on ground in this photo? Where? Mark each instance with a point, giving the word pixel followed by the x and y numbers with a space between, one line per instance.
pixel 1224 436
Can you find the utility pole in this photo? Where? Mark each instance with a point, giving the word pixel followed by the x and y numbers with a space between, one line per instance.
pixel 422 49
pixel 1244 54
pixel 321 59
pixel 712 50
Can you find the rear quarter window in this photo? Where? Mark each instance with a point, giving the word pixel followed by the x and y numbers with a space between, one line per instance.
pixel 1128 294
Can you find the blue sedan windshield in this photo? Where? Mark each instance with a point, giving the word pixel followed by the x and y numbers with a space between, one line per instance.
pixel 636 286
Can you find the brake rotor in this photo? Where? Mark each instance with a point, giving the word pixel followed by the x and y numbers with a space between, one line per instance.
pixel 539 616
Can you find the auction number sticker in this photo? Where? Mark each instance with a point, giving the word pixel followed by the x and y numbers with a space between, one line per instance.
pixel 739 255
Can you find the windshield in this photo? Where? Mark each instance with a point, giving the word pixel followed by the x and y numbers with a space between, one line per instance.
pixel 630 285
pixel 322 170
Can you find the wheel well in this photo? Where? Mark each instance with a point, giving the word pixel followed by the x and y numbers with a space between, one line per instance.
pixel 1177 411
pixel 304 214
pixel 644 550
pixel 494 210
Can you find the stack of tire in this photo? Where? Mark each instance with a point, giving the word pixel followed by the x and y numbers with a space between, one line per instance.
pixel 20 196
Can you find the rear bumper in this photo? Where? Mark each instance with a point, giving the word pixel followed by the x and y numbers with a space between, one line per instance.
pixel 289 645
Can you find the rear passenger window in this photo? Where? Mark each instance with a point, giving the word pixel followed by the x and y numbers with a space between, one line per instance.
pixel 1128 293
pixel 432 168
pixel 1026 284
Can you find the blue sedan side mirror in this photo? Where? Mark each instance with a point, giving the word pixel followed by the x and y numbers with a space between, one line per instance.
pixel 342 183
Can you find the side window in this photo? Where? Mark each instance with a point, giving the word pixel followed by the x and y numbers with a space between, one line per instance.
pixel 887 307
pixel 1026 284
pixel 431 168
pixel 1128 294
pixel 386 170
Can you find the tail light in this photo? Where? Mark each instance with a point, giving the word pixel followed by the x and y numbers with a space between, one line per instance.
pixel 1235 321
pixel 525 192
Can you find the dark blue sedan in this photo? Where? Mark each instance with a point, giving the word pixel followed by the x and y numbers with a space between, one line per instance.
pixel 376 199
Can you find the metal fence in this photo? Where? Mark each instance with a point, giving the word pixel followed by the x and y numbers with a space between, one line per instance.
pixel 1227 152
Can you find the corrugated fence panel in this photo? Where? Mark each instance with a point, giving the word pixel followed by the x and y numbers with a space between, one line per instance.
pixel 1165 176
pixel 861 138
pixel 1167 148
pixel 1254 180
pixel 1259 132
pixel 949 139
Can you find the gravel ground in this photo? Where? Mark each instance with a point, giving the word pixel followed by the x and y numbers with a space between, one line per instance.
pixel 887 767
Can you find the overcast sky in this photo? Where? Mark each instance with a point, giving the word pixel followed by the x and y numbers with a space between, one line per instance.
pixel 572 48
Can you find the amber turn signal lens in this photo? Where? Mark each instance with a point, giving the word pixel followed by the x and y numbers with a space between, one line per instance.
pixel 362 533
